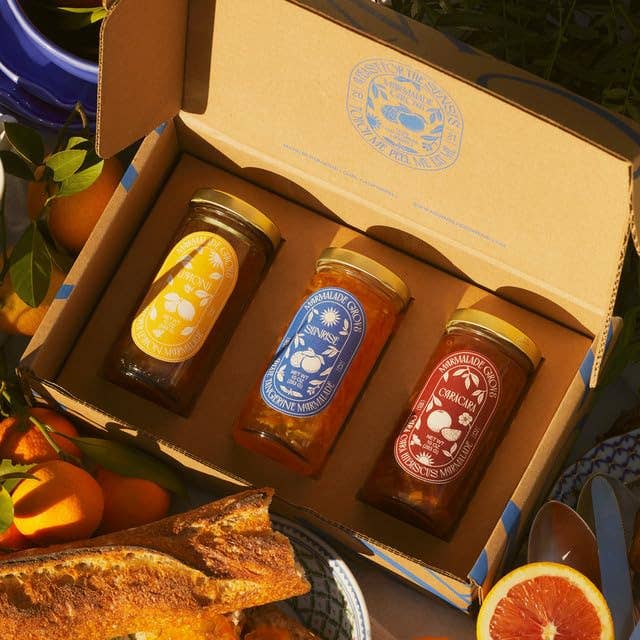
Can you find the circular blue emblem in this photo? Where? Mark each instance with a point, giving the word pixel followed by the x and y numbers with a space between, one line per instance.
pixel 404 115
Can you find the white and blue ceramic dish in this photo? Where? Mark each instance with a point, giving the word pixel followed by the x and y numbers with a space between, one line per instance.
pixel 618 457
pixel 334 609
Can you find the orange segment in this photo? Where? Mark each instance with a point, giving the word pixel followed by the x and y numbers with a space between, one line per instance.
pixel 544 601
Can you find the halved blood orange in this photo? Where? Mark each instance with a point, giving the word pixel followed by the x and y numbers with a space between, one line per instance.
pixel 544 601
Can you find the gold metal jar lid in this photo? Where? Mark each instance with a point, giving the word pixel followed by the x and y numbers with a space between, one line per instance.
pixel 384 276
pixel 239 209
pixel 498 327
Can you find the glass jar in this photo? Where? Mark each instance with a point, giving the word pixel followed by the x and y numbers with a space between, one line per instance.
pixel 348 312
pixel 216 261
pixel 470 388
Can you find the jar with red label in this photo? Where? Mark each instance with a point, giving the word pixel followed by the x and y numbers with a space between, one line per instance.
pixel 431 464
pixel 347 314
pixel 185 319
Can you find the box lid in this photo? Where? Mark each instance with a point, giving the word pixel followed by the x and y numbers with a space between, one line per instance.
pixel 398 130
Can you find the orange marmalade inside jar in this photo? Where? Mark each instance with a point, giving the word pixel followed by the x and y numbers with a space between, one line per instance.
pixel 184 320
pixel 348 311
pixel 457 414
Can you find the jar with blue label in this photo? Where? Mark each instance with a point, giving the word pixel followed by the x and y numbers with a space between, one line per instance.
pixel 347 314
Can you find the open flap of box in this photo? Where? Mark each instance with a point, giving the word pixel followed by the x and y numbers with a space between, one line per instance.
pixel 142 48
pixel 587 119
pixel 392 145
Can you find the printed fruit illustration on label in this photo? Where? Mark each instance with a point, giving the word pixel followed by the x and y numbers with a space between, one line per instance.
pixel 315 353
pixel 186 297
pixel 449 416
pixel 438 420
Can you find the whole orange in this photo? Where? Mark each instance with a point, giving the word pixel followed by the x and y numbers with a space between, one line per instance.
pixel 12 539
pixel 130 502
pixel 16 316
pixel 62 503
pixel 29 446
pixel 72 218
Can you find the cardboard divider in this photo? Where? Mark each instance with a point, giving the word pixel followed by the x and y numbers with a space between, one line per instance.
pixel 206 433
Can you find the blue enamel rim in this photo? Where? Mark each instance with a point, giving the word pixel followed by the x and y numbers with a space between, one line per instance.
pixel 81 68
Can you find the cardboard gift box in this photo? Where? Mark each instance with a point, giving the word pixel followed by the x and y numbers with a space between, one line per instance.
pixel 349 125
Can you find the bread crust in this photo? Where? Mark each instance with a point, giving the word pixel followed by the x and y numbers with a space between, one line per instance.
pixel 179 572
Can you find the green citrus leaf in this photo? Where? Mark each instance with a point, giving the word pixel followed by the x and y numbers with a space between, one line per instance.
pixel 81 180
pixel 9 468
pixel 25 141
pixel 634 111
pixel 30 266
pixel 72 18
pixel 59 257
pixel 15 165
pixel 81 9
pixel 65 163
pixel 18 475
pixel 617 93
pixel 130 462
pixel 6 510
pixel 63 261
pixel 78 141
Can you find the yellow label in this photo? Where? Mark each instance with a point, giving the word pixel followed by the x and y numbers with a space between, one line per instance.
pixel 186 297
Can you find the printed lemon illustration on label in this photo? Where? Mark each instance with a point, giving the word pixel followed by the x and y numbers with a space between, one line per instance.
pixel 447 420
pixel 186 297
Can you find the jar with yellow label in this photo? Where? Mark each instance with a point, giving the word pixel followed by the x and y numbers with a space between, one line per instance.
pixel 216 261
pixel 347 314
pixel 457 414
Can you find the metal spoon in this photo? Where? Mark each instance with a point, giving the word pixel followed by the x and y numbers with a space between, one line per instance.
pixel 559 534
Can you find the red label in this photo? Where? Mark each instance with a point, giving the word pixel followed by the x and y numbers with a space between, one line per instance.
pixel 450 415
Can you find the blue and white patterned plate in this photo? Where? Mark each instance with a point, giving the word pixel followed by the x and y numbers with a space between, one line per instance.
pixel 334 609
pixel 618 457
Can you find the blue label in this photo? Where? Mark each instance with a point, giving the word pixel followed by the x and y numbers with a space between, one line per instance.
pixel 315 353
pixel 404 114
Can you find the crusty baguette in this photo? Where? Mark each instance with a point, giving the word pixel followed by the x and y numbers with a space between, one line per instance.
pixel 271 617
pixel 179 572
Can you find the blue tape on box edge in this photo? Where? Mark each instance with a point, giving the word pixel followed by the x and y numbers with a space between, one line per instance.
pixel 129 177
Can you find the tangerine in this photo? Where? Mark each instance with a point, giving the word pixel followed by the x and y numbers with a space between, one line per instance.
pixel 130 502
pixel 16 316
pixel 72 218
pixel 12 539
pixel 62 503
pixel 544 600
pixel 25 444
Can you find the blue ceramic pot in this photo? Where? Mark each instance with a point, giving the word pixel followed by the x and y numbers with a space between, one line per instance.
pixel 41 67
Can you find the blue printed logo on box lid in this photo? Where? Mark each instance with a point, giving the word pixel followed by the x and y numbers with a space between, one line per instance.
pixel 315 353
pixel 404 114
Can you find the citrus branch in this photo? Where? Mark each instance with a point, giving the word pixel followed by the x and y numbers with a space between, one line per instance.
pixel 46 432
